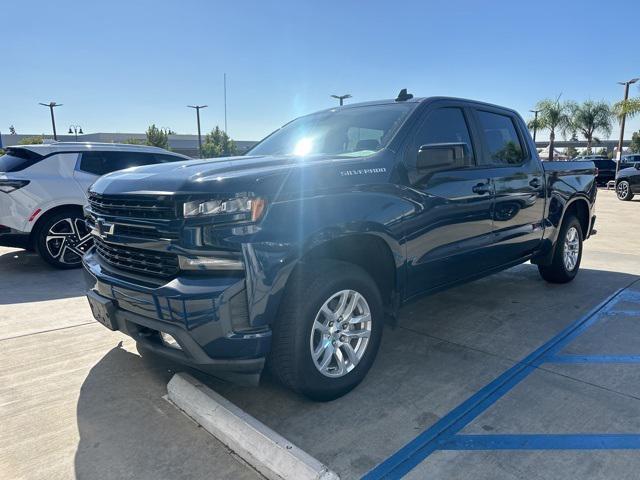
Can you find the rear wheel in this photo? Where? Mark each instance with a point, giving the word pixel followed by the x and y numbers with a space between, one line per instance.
pixel 623 190
pixel 568 254
pixel 328 331
pixel 62 239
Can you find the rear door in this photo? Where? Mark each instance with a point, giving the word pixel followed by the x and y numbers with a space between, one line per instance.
pixel 451 226
pixel 518 184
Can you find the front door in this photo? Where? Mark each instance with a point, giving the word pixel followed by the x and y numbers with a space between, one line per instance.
pixel 451 225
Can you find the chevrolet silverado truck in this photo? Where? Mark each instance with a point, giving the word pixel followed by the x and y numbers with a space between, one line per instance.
pixel 295 255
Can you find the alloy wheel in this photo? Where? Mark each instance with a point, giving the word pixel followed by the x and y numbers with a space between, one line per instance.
pixel 571 249
pixel 623 189
pixel 68 240
pixel 340 333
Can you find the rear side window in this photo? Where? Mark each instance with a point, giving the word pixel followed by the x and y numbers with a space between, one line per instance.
pixel 605 164
pixel 101 163
pixel 501 138
pixel 18 159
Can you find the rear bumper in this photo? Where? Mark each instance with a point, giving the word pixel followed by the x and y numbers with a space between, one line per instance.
pixel 207 316
pixel 13 238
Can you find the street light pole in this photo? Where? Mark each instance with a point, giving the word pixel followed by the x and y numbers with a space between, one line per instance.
pixel 341 98
pixel 77 129
pixel 622 120
pixel 51 106
pixel 197 108
pixel 535 124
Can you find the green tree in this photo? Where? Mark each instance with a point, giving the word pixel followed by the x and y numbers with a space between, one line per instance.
pixel 630 108
pixel 589 119
pixel 634 147
pixel 218 144
pixel 603 151
pixel 553 116
pixel 572 152
pixel 31 140
pixel 158 137
pixel 134 141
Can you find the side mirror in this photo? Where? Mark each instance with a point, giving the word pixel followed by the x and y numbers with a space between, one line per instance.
pixel 438 156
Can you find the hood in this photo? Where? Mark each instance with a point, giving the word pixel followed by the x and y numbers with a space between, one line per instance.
pixel 220 175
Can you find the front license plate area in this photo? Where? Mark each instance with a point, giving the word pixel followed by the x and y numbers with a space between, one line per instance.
pixel 103 310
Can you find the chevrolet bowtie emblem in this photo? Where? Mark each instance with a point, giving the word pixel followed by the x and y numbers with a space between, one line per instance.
pixel 104 228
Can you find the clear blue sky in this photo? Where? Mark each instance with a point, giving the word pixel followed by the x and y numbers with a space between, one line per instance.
pixel 118 66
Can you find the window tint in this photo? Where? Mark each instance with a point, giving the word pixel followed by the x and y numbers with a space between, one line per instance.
pixel 605 164
pixel 101 163
pixel 501 139
pixel 18 159
pixel 446 125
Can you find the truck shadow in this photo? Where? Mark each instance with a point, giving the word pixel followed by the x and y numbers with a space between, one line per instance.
pixel 25 277
pixel 446 348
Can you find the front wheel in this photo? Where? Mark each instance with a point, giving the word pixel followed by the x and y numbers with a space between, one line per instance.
pixel 328 331
pixel 568 254
pixel 63 239
pixel 623 190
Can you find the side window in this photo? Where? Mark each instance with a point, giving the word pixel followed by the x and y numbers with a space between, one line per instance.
pixel 445 128
pixel 101 163
pixel 94 162
pixel 161 158
pixel 501 139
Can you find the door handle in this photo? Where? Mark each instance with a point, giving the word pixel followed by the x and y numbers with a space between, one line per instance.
pixel 481 188
pixel 535 182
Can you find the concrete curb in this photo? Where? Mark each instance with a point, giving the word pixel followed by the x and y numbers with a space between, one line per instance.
pixel 265 450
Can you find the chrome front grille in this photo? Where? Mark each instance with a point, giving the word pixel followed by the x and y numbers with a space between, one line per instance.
pixel 133 206
pixel 146 262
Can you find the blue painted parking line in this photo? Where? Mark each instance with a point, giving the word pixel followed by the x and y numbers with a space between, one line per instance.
pixel 593 359
pixel 443 435
pixel 543 442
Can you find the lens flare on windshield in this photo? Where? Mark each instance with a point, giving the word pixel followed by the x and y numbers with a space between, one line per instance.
pixel 304 146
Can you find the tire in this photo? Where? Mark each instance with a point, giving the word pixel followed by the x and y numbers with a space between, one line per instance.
pixel 623 190
pixel 317 285
pixel 563 270
pixel 62 238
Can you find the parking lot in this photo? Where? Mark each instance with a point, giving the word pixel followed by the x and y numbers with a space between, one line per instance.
pixel 503 378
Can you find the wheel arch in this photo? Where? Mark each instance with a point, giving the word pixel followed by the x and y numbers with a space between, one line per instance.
pixel 35 231
pixel 375 254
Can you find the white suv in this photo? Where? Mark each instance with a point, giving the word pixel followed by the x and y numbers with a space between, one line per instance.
pixel 44 187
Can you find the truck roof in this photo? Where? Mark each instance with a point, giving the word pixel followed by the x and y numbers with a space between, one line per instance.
pixel 68 147
pixel 421 100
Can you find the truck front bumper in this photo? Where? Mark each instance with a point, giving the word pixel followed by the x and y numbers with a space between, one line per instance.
pixel 206 315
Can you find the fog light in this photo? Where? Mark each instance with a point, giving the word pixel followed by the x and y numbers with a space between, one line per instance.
pixel 169 341
pixel 210 263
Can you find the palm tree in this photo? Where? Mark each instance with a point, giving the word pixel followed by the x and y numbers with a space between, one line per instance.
pixel 589 119
pixel 553 117
pixel 630 108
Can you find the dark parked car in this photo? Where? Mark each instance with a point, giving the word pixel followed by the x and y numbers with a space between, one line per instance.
pixel 628 182
pixel 297 253
pixel 630 160
pixel 606 168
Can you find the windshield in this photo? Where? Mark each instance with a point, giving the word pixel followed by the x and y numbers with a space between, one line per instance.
pixel 357 131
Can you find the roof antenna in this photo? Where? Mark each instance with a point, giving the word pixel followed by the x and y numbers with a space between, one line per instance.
pixel 403 96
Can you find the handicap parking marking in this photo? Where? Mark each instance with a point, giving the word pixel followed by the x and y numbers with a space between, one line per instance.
pixel 444 434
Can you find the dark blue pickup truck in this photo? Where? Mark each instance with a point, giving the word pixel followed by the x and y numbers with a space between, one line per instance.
pixel 296 254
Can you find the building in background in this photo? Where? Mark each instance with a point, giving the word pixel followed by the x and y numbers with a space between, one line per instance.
pixel 185 144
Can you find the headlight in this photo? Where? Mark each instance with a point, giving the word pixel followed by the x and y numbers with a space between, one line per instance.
pixel 253 207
